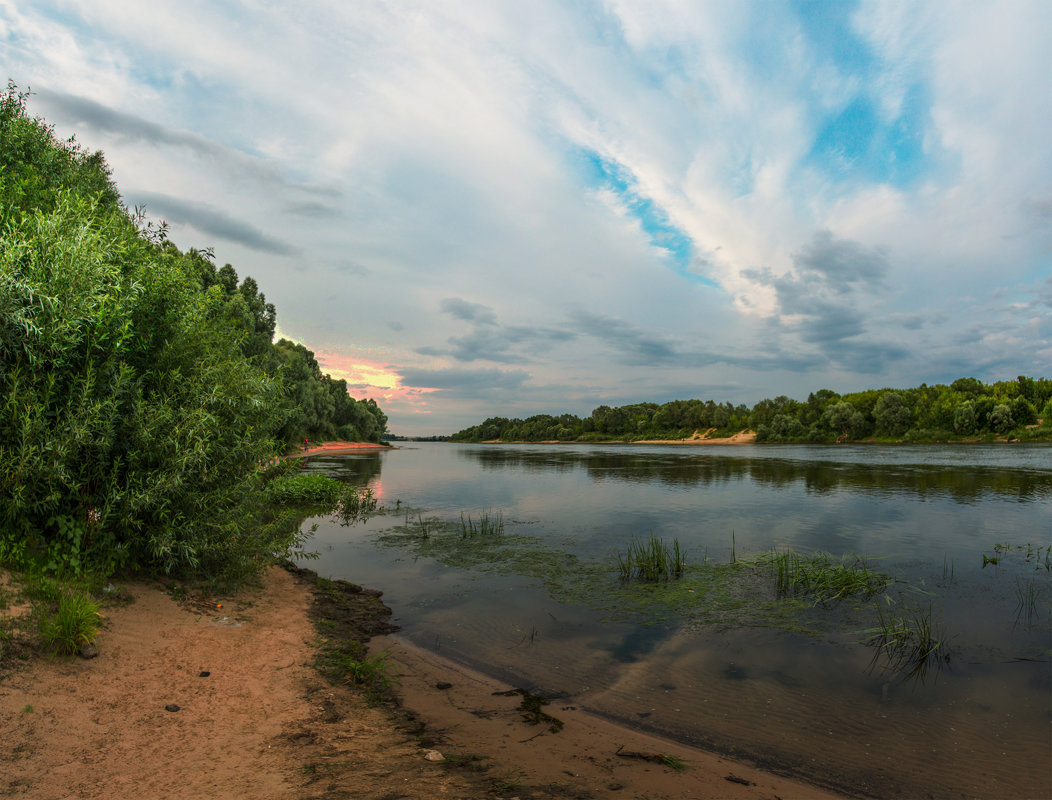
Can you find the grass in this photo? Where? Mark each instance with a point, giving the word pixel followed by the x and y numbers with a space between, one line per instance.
pixel 373 673
pixel 910 640
pixel 651 561
pixel 1028 601
pixel 487 525
pixel 511 781
pixel 75 622
pixel 822 577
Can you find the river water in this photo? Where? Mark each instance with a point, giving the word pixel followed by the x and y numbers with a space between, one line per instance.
pixel 962 532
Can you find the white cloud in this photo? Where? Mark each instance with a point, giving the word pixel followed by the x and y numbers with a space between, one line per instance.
pixel 435 143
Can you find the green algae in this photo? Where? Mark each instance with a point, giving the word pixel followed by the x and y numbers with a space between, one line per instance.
pixel 742 592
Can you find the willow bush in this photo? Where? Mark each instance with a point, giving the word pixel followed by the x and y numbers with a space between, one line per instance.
pixel 132 427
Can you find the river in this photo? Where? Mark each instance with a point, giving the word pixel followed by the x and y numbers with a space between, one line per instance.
pixel 504 557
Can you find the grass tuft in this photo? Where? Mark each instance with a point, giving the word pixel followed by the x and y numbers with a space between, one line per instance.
pixel 910 640
pixel 487 525
pixel 75 622
pixel 821 576
pixel 650 561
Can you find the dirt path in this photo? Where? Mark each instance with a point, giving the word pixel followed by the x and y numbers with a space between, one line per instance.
pixel 255 720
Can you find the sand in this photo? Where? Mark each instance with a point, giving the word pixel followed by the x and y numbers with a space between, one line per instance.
pixel 262 723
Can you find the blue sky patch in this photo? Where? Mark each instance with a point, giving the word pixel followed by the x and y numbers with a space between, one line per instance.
pixel 603 173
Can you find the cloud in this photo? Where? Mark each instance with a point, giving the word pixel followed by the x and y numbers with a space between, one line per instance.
pixel 84 112
pixel 464 381
pixel 852 185
pixel 632 345
pixel 842 265
pixel 470 312
pixel 210 220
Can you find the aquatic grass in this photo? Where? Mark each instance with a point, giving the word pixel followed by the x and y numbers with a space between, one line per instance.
pixel 487 525
pixel 909 640
pixel 1028 600
pixel 821 576
pixel 650 561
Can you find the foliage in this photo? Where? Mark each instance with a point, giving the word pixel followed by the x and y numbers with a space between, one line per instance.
pixel 967 408
pixel 139 390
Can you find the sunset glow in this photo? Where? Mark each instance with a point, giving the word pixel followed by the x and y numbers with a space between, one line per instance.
pixel 369 378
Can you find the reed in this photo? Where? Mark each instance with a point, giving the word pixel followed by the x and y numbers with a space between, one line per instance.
pixel 650 561
pixel 1027 594
pixel 910 639
pixel 823 577
pixel 487 525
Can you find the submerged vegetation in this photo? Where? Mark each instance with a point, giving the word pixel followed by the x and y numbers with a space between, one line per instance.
pixel 908 640
pixel 822 577
pixel 966 409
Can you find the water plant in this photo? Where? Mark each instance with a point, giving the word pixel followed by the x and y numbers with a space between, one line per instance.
pixel 1027 594
pixel 910 641
pixel 487 525
pixel 822 576
pixel 650 561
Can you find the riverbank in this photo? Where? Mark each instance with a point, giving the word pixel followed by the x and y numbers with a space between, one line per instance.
pixel 336 448
pixel 698 438
pixel 207 697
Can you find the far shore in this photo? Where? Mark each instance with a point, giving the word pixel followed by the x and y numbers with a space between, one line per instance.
pixel 742 437
pixel 336 448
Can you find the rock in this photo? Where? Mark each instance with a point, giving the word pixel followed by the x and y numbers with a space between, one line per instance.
pixel 443 685
pixel 171 707
pixel 88 650
pixel 204 673
pixel 434 755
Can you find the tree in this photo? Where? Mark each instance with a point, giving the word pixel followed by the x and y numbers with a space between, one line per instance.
pixel 844 419
pixel 891 413
pixel 1001 418
pixel 964 418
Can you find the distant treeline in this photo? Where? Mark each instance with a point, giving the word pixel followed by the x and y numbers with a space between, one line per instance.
pixel 966 408
pixel 140 391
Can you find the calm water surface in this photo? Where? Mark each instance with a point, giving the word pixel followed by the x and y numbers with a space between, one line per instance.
pixel 963 530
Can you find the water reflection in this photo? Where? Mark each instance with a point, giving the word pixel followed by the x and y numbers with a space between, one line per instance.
pixel 934 518
pixel 818 477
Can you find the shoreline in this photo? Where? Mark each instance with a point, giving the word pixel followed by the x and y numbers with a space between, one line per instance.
pixel 337 448
pixel 475 713
pixel 195 696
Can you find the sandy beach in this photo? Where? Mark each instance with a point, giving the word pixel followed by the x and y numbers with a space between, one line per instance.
pixel 253 718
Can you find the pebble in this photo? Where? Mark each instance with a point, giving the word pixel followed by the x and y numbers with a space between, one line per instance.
pixel 88 650
pixel 171 707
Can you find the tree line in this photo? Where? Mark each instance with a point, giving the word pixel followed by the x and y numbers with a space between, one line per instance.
pixel 140 391
pixel 966 408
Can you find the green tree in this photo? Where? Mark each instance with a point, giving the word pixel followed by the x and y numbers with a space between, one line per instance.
pixel 1001 418
pixel 891 414
pixel 964 418
pixel 844 419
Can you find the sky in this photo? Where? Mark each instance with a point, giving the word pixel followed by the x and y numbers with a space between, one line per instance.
pixel 475 208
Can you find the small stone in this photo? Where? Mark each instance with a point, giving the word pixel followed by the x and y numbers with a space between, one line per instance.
pixel 171 707
pixel 204 673
pixel 434 755
pixel 443 685
pixel 88 650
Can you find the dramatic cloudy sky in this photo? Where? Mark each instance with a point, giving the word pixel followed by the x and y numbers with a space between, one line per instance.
pixel 475 207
